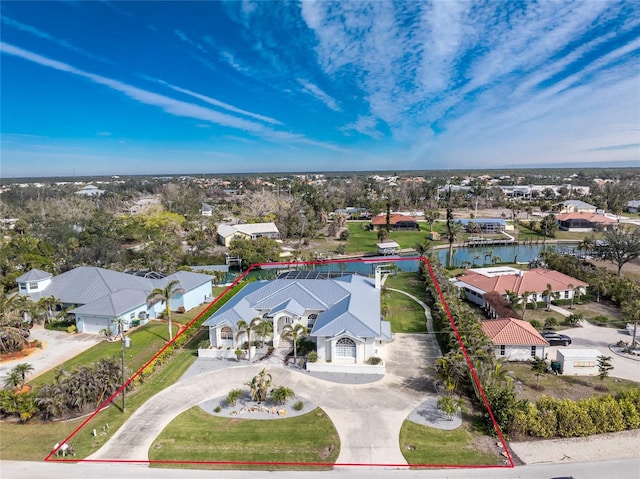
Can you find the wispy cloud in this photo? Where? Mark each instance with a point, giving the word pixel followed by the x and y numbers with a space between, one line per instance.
pixel 45 36
pixel 218 103
pixel 315 91
pixel 167 104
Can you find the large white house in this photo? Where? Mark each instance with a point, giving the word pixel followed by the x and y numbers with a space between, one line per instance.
pixel 99 297
pixel 475 283
pixel 342 315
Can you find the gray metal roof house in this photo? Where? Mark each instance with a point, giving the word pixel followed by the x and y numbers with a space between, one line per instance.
pixel 98 296
pixel 342 315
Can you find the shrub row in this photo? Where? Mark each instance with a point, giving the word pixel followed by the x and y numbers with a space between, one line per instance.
pixel 185 337
pixel 550 417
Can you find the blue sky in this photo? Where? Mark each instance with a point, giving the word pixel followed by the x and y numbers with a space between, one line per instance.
pixel 102 87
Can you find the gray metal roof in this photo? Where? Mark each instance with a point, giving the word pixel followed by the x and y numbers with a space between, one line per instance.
pixel 105 292
pixel 114 304
pixel 33 275
pixel 345 305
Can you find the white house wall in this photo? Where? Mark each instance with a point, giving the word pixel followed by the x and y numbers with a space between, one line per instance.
pixel 519 353
pixel 193 298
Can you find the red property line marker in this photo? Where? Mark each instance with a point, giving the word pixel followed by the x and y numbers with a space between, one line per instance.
pixel 51 456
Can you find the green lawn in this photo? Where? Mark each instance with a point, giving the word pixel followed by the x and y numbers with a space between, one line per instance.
pixel 405 315
pixel 146 341
pixel 426 445
pixel 198 436
pixel 34 440
pixel 409 282
pixel 361 240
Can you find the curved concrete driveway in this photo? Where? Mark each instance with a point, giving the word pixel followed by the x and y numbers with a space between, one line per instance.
pixel 368 417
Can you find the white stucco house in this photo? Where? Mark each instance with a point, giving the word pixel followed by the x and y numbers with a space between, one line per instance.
pixel 514 339
pixel 227 233
pixel 342 315
pixel 475 283
pixel 98 297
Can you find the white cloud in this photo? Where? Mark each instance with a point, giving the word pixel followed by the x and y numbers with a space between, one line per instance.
pixel 167 104
pixel 315 91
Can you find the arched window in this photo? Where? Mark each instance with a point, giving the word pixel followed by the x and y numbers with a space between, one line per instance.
pixel 311 320
pixel 346 348
pixel 226 333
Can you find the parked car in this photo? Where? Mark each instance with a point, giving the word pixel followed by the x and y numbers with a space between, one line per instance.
pixel 556 339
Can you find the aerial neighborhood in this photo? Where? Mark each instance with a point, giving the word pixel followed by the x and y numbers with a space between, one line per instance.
pixel 417 301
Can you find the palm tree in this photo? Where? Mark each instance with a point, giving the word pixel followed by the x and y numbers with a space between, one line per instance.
pixel 245 328
pixel 631 309
pixel 294 332
pixel 526 298
pixel 571 288
pixel 49 305
pixel 164 295
pixel 264 329
pixel 454 229
pixel 23 369
pixel 12 380
pixel 259 385
pixel 549 295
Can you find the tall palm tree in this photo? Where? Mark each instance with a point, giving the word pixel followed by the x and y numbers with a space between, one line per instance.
pixel 294 333
pixel 454 230
pixel 526 299
pixel 263 329
pixel 631 309
pixel 246 328
pixel 164 295
pixel 571 288
pixel 549 295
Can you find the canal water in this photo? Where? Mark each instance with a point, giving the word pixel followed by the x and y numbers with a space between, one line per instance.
pixel 462 257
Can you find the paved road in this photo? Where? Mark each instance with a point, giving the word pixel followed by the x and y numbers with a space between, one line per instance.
pixel 58 348
pixel 595 337
pixel 625 469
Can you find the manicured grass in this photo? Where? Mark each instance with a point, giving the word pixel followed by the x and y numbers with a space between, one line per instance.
pixel 405 315
pixel 426 445
pixel 409 282
pixel 361 240
pixel 561 386
pixel 198 436
pixel 34 440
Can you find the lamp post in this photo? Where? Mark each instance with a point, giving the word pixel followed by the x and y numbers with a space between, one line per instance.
pixel 126 343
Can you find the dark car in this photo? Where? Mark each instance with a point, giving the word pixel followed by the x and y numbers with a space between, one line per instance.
pixel 556 339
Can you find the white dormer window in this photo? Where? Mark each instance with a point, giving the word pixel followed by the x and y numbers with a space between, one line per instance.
pixel 33 285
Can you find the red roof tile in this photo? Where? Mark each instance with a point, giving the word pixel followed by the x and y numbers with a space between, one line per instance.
pixel 590 217
pixel 381 219
pixel 534 280
pixel 509 331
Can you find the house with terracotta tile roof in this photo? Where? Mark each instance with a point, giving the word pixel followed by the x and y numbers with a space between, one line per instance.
pixel 514 339
pixel 581 221
pixel 475 283
pixel 396 222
